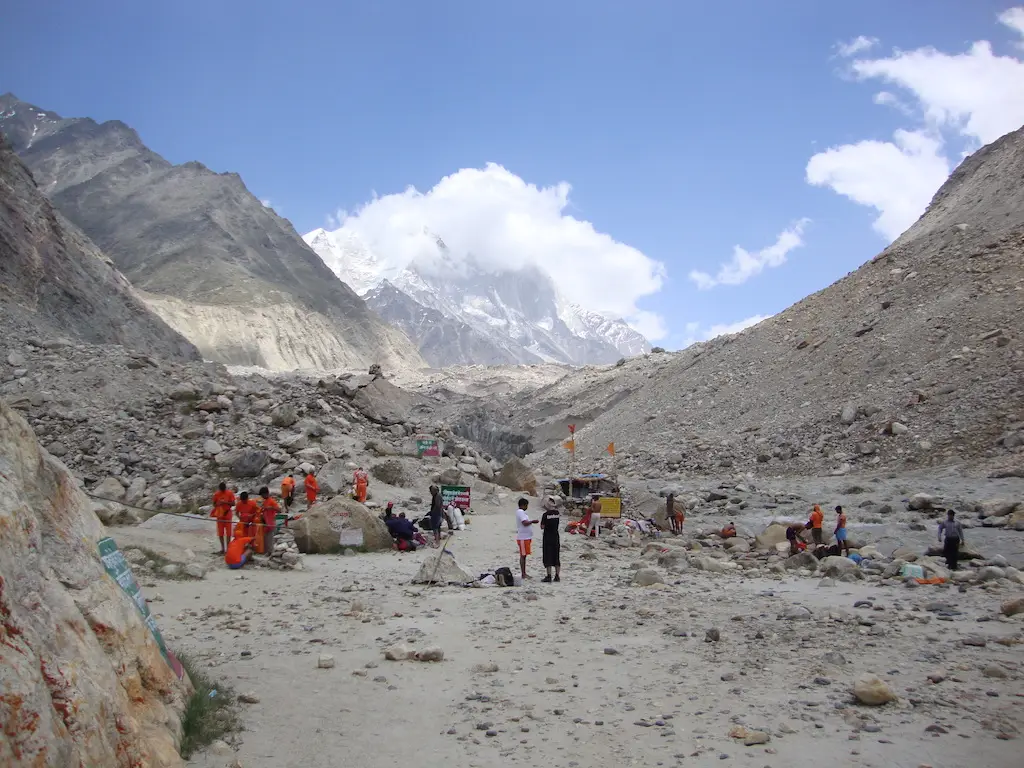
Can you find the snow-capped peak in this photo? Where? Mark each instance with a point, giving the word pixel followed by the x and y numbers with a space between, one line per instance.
pixel 344 252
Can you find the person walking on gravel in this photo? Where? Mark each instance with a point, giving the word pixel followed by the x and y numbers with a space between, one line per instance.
pixel 524 535
pixel 551 545
pixel 951 536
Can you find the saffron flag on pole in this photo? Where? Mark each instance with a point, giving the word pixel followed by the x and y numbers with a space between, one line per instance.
pixel 569 444
pixel 572 429
pixel 611 448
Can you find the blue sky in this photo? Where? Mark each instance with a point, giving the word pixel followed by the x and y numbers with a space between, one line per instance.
pixel 683 128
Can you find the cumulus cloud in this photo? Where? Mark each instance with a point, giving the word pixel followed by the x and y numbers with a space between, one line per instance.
pixel 695 332
pixel 744 265
pixel 859 44
pixel 496 218
pixel 896 178
pixel 975 97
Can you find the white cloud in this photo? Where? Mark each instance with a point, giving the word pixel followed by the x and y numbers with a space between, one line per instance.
pixel 896 178
pixel 744 265
pixel 859 44
pixel 695 332
pixel 1014 19
pixel 974 96
pixel 505 222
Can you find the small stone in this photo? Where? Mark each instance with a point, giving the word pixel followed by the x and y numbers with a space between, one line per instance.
pixel 325 661
pixel 399 653
pixel 712 636
pixel 756 737
pixel 611 652
pixel 430 653
pixel 249 697
pixel 871 690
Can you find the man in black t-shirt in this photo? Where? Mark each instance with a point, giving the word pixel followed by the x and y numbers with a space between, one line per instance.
pixel 551 546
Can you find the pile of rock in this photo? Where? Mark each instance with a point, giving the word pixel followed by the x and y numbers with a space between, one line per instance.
pixel 285 556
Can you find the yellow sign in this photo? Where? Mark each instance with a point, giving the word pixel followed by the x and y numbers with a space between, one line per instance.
pixel 611 506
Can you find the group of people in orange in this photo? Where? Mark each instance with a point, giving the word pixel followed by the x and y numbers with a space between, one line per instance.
pixel 254 530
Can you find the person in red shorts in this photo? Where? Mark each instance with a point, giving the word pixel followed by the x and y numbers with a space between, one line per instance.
pixel 223 503
pixel 524 534
pixel 239 552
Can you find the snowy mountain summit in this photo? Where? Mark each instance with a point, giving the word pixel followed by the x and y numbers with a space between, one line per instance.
pixel 461 312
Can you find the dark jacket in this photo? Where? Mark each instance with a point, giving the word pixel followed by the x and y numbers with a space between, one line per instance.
pixel 436 508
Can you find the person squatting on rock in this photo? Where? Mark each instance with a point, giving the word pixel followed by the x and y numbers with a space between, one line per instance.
pixel 951 536
pixel 729 531
pixel 436 513
pixel 815 523
pixel 223 504
pixel 312 488
pixel 551 545
pixel 840 532
pixel 270 508
pixel 524 535
pixel 288 490
pixel 792 536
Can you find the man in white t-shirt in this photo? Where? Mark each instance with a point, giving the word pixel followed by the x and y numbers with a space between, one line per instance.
pixel 524 534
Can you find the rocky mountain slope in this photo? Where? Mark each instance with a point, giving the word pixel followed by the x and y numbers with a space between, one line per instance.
pixel 224 270
pixel 55 282
pixel 915 359
pixel 461 312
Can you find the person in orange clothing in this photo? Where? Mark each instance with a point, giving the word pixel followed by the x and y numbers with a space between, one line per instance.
pixel 239 552
pixel 361 480
pixel 288 490
pixel 223 503
pixel 248 514
pixel 815 523
pixel 270 510
pixel 312 489
pixel 729 531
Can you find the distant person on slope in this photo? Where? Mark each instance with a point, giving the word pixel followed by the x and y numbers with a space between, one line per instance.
pixel 248 513
pixel 670 512
pixel 436 512
pixel 361 482
pixel 951 536
pixel 815 523
pixel 223 503
pixel 524 535
pixel 270 510
pixel 288 490
pixel 840 532
pixel 312 488
pixel 551 545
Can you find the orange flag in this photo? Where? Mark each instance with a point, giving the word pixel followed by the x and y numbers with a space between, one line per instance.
pixel 570 444
pixel 611 448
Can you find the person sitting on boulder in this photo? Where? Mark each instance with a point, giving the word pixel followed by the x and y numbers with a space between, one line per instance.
pixel 239 552
pixel 729 531
pixel 792 536
pixel 360 482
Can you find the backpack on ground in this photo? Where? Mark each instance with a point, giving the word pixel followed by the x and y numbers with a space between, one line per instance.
pixel 503 577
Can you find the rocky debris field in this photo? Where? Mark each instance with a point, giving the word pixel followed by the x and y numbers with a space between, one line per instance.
pixel 151 435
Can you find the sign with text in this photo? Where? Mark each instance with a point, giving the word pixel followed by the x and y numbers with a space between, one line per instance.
pixel 611 506
pixel 427 446
pixel 115 564
pixel 352 537
pixel 456 495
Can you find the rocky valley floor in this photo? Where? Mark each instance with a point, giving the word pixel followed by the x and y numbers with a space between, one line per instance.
pixel 597 671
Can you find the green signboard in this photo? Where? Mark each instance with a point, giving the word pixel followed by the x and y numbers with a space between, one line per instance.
pixel 456 495
pixel 119 570
pixel 427 446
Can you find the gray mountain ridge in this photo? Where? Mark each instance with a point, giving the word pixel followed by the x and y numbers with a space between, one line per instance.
pixel 210 258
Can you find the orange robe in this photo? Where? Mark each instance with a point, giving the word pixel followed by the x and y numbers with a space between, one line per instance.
pixel 312 488
pixel 248 514
pixel 223 501
pixel 235 549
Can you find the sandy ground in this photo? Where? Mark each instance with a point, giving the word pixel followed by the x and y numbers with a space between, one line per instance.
pixel 594 671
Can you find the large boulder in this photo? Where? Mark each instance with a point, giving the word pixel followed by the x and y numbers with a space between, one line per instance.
pixel 334 477
pixel 243 462
pixel 390 472
pixel 997 508
pixel 518 477
pixel 83 681
pixel 442 568
pixel 382 402
pixel 774 534
pixel 838 566
pixel 284 415
pixel 319 529
pixel 109 490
